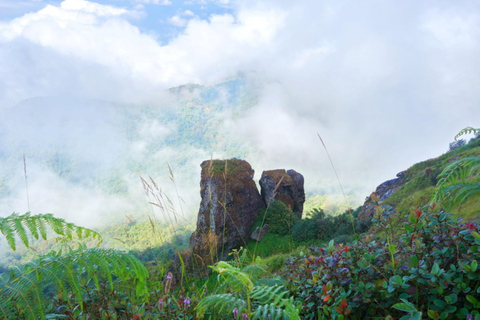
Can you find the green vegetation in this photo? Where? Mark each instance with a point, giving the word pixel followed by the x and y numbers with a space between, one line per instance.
pixel 429 269
pixel 279 218
pixel 414 260
pixel 332 204
pixel 422 178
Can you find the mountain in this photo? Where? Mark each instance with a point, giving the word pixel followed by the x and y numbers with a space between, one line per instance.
pixel 85 156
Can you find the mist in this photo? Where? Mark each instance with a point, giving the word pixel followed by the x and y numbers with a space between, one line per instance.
pixel 91 84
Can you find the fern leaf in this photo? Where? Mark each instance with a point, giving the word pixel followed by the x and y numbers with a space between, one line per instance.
pixel 32 226
pixel 269 311
pixel 274 302
pixel 459 170
pixel 14 225
pixel 17 224
pixel 236 278
pixel 8 232
pixel 221 303
pixel 65 272
pixel 467 130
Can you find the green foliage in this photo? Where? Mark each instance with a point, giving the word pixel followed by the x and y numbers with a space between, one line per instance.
pixel 333 205
pixel 420 181
pixel 321 227
pixel 279 217
pixel 221 167
pixel 467 130
pixel 456 182
pixel 434 272
pixel 450 192
pixel 70 283
pixel 67 278
pixel 246 298
pixel 271 244
pixel 38 225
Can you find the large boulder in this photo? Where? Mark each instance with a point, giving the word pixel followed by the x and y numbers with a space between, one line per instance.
pixel 382 193
pixel 285 186
pixel 229 208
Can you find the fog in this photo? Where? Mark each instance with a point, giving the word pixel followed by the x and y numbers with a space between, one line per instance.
pixel 385 84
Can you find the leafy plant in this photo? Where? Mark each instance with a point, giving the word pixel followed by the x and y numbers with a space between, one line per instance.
pixel 64 282
pixel 449 191
pixel 279 217
pixel 38 225
pixel 321 227
pixel 238 295
pixel 429 266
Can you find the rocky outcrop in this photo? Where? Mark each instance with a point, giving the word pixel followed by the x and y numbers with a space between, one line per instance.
pixel 285 186
pixel 259 233
pixel 229 208
pixel 382 193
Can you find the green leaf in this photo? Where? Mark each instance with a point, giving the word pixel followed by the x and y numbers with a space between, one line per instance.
pixel 391 248
pixel 433 314
pixel 475 234
pixel 474 265
pixel 405 306
pixel 472 299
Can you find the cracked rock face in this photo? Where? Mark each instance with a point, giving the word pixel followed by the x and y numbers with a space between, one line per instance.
pixel 230 204
pixel 285 186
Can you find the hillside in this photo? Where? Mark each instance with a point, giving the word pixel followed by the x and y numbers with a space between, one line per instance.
pixel 415 187
pixel 326 267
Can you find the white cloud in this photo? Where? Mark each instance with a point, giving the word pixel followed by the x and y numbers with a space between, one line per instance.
pixel 157 2
pixel 386 84
pixel 178 21
pixel 91 7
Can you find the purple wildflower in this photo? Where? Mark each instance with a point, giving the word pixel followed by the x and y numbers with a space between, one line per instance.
pixel 161 303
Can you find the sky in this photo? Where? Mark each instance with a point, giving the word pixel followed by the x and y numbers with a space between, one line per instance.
pixel 385 83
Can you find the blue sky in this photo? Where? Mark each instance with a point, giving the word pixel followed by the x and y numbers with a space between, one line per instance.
pixel 165 18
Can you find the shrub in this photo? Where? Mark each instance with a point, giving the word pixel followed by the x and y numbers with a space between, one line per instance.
pixel 429 265
pixel 279 218
pixel 320 227
pixel 305 230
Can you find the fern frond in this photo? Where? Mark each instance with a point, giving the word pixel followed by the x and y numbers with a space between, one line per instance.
pixel 65 272
pixel 21 291
pixel 459 170
pixel 17 225
pixel 275 297
pixel 221 303
pixel 269 311
pixel 237 279
pixel 467 130
pixel 459 193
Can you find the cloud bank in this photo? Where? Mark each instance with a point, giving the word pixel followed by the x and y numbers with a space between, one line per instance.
pixel 385 84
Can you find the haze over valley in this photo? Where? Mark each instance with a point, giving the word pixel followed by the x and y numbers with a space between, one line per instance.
pixel 95 94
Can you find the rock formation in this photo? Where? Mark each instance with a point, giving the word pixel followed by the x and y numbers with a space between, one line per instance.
pixel 228 210
pixel 383 192
pixel 285 186
pixel 259 233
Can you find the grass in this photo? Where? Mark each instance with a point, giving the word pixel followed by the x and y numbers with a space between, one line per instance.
pixel 422 178
pixel 157 244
